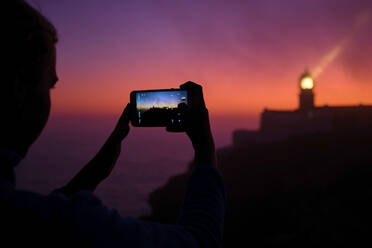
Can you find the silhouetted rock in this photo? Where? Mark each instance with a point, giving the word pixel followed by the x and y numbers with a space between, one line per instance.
pixel 307 191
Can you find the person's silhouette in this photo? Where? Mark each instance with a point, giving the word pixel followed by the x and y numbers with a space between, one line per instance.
pixel 73 215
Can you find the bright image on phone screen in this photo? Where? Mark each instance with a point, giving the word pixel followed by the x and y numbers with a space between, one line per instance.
pixel 160 108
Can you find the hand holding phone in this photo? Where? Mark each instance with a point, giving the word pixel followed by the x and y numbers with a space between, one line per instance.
pixel 178 110
pixel 197 126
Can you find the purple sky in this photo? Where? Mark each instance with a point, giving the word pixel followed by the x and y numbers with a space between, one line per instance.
pixel 247 54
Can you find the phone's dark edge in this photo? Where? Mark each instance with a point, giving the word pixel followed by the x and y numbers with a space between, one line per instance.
pixel 133 107
pixel 172 89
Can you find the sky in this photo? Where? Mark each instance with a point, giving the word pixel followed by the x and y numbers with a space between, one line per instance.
pixel 248 55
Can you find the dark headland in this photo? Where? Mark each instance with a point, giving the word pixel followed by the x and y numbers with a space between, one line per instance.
pixel 304 179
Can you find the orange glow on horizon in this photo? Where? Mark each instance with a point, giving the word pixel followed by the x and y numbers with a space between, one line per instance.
pixel 237 98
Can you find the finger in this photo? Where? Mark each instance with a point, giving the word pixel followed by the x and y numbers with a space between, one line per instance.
pixel 192 87
pixel 196 94
pixel 125 116
pixel 122 127
pixel 189 85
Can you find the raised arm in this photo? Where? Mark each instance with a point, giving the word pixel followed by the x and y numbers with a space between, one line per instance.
pixel 200 223
pixel 204 206
pixel 100 167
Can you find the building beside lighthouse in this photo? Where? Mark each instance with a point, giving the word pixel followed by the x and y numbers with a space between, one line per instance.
pixel 276 125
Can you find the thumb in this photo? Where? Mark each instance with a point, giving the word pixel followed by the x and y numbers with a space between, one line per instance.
pixel 122 127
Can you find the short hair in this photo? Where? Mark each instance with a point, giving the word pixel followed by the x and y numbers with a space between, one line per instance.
pixel 28 37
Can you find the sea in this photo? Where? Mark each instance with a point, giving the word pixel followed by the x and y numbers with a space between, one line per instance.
pixel 149 157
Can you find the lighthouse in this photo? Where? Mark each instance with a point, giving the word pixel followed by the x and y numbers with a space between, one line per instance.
pixel 306 91
pixel 307 119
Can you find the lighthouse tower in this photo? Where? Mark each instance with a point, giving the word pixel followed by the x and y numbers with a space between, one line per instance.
pixel 306 91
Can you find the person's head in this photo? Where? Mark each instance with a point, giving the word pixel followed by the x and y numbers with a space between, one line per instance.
pixel 29 59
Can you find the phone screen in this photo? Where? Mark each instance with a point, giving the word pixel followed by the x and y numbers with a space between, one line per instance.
pixel 160 107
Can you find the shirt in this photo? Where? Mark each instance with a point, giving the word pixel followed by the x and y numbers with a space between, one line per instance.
pixel 82 219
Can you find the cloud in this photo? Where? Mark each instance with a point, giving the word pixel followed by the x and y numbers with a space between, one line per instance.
pixel 264 35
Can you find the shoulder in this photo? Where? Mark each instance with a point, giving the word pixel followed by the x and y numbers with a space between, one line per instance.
pixel 54 206
pixel 81 217
pixel 38 219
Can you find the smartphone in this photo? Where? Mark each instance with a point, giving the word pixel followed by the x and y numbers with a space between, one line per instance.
pixel 159 108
